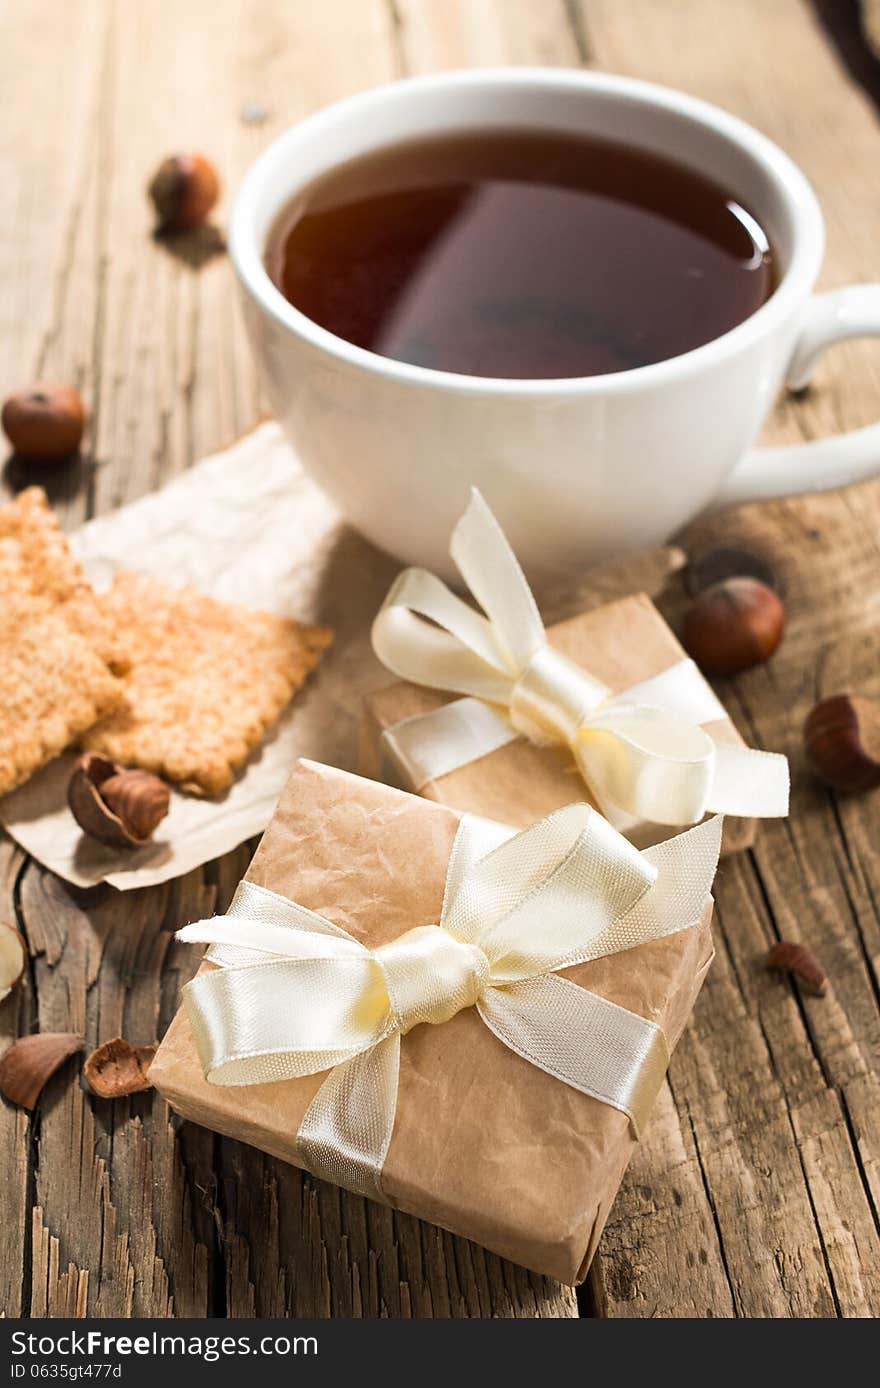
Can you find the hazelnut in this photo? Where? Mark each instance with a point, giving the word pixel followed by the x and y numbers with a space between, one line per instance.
pixel 118 1068
pixel 31 1061
pixel 115 805
pixel 842 742
pixel 44 423
pixel 184 188
pixel 733 625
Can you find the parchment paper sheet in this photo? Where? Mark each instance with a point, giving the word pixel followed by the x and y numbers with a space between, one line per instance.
pixel 622 643
pixel 484 1144
pixel 247 525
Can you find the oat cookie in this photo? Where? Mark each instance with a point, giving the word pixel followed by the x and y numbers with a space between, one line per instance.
pixel 53 684
pixel 30 530
pixel 207 680
pixel 55 644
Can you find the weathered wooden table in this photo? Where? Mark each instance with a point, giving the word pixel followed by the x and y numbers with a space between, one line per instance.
pixel 756 1191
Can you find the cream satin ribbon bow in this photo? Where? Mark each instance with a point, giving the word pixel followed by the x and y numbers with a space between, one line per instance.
pixel 295 995
pixel 642 752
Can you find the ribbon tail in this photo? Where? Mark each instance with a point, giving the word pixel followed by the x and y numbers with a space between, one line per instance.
pixel 680 689
pixel 430 745
pixel 259 922
pixel 346 1131
pixel 685 867
pixel 646 761
pixel 234 944
pixel 247 1032
pixel 585 1041
pixel 749 782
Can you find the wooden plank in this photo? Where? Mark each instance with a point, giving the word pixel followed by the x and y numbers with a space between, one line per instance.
pixel 780 1092
pixel 113 1232
pixel 50 60
pixel 15 1149
pixel 465 33
pixel 756 1190
pixel 176 378
pixel 660 1254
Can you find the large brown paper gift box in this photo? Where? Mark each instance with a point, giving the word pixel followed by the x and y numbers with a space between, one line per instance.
pixel 621 643
pixel 484 1144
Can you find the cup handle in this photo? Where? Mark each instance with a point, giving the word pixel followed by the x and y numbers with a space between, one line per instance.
pixel 836 462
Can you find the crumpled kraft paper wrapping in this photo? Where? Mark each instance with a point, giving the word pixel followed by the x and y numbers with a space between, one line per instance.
pixel 484 1144
pixel 247 525
pixel 622 643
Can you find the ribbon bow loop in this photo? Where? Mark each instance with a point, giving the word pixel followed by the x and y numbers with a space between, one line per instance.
pixel 571 868
pixel 643 753
pixel 485 560
pixel 295 995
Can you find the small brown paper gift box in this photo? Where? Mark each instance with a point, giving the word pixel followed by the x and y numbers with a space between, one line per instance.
pixel 484 1143
pixel 622 644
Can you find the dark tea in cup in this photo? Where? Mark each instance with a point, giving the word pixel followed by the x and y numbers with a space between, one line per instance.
pixel 520 255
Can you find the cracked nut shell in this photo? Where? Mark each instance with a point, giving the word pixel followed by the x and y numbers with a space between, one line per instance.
pixel 116 805
pixel 118 1068
pixel 31 1061
pixel 842 742
pixel 790 956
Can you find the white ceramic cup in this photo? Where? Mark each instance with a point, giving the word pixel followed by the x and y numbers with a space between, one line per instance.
pixel 575 469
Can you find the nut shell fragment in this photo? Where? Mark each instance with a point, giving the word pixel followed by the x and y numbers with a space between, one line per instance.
pixel 31 1061
pixel 13 958
pixel 842 742
pixel 118 1068
pixel 117 806
pixel 139 799
pixel 790 956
